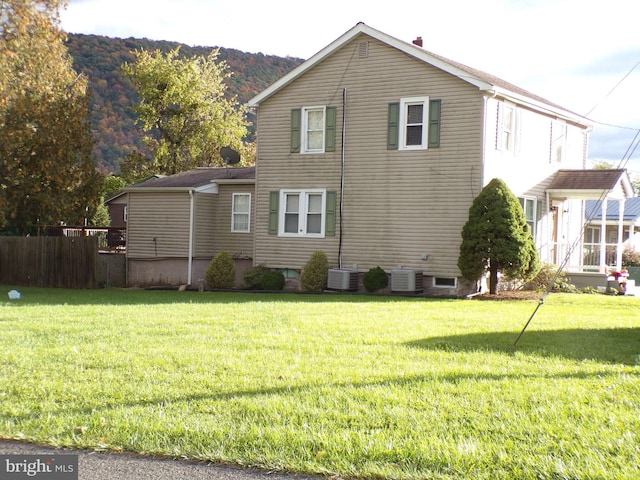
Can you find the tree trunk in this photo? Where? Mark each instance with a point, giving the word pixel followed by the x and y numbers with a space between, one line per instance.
pixel 493 279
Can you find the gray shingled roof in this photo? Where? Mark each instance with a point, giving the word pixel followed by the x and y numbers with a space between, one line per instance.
pixel 198 177
pixel 586 179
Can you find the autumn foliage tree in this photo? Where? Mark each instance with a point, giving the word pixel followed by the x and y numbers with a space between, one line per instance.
pixel 183 110
pixel 46 171
pixel 496 238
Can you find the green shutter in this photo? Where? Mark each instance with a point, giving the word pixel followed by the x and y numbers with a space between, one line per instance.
pixel 274 200
pixel 330 214
pixel 330 130
pixel 392 128
pixel 434 123
pixel 296 122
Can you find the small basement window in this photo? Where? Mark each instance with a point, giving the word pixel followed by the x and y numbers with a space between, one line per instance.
pixel 444 282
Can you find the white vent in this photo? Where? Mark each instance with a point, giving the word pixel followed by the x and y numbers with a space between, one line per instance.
pixel 406 281
pixel 363 49
pixel 342 280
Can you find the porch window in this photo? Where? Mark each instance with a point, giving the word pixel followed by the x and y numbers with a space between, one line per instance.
pixel 241 213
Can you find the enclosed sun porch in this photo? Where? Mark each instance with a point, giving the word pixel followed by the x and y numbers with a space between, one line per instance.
pixel 590 230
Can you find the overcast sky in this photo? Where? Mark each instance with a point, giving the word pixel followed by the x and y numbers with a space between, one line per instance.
pixel 581 54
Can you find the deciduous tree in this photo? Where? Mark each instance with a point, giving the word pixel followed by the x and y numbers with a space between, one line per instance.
pixel 183 110
pixel 46 171
pixel 496 238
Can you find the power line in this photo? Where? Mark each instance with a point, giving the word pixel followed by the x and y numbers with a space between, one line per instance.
pixel 613 89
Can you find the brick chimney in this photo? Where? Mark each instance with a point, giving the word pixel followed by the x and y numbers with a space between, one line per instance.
pixel 418 41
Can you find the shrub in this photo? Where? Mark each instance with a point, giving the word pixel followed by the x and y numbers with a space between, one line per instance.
pixel 375 279
pixel 630 258
pixel 545 276
pixel 273 281
pixel 314 274
pixel 254 278
pixel 221 271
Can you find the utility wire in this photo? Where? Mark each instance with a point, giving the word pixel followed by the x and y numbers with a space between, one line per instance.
pixel 623 161
pixel 613 89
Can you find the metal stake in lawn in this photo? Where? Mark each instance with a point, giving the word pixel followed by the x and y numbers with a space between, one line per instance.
pixel 540 302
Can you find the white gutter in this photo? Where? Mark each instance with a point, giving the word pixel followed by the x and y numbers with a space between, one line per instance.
pixel 191 234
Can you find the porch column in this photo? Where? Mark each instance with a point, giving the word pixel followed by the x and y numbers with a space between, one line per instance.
pixel 620 235
pixel 603 238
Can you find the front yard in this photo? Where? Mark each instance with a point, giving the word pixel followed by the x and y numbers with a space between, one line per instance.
pixel 345 385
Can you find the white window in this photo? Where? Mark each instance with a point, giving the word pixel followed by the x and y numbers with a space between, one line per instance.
pixel 241 213
pixel 414 125
pixel 530 207
pixel 558 141
pixel 313 124
pixel 302 212
pixel 444 282
pixel 506 138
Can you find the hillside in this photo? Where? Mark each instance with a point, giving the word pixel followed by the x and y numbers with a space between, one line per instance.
pixel 113 122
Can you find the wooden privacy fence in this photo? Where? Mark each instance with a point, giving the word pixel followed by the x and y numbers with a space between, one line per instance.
pixel 49 261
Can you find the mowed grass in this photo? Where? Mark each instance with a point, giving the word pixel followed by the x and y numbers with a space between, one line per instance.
pixel 344 385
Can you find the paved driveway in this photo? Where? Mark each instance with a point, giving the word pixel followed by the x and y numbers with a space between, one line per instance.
pixel 113 466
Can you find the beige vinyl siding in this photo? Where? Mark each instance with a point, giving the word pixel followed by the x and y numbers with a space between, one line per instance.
pixel 236 243
pixel 163 216
pixel 398 205
pixel 205 228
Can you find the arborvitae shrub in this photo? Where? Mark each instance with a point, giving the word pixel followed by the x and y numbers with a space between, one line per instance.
pixel 273 281
pixel 221 271
pixel 375 279
pixel 314 274
pixel 253 279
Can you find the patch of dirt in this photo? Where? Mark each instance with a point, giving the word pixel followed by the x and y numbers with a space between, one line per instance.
pixel 510 295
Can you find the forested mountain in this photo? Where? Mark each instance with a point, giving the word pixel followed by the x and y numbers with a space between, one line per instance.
pixel 113 122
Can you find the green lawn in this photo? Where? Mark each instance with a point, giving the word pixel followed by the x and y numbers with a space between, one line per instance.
pixel 347 385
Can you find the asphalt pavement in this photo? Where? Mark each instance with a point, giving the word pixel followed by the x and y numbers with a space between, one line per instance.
pixel 126 466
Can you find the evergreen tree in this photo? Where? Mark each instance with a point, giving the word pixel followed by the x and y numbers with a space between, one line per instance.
pixel 47 174
pixel 496 238
pixel 183 110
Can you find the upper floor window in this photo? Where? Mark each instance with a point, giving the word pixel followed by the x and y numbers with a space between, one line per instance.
pixel 506 134
pixel 313 129
pixel 241 213
pixel 558 140
pixel 413 124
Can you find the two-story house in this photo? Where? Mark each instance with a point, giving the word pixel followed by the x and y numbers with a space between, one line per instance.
pixel 374 149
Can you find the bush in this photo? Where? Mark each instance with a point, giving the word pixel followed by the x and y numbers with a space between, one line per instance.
pixel 221 271
pixel 273 281
pixel 375 279
pixel 315 272
pixel 630 258
pixel 254 278
pixel 545 276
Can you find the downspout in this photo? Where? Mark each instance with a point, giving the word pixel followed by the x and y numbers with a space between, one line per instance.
pixel 191 228
pixel 342 161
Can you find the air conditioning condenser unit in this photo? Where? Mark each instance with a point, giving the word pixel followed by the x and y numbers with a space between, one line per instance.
pixel 406 281
pixel 339 279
